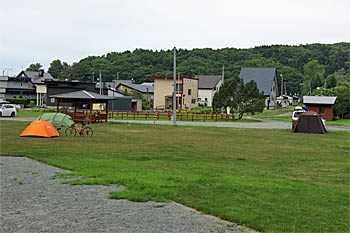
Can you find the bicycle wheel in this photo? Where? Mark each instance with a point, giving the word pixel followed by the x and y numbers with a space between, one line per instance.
pixel 87 131
pixel 71 132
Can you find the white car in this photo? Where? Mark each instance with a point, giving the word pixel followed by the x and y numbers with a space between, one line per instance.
pixel 295 116
pixel 8 110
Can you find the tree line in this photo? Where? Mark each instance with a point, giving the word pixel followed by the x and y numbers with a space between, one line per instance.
pixel 139 64
pixel 304 68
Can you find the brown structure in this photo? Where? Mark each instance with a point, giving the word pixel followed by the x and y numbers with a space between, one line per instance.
pixel 310 122
pixel 322 105
pixel 83 106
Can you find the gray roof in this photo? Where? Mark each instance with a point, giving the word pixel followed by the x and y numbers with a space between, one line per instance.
pixel 35 78
pixel 319 99
pixel 208 81
pixel 263 77
pixel 138 87
pixel 81 95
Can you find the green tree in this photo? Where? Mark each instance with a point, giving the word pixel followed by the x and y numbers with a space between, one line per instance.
pixel 342 106
pixel 34 67
pixel 331 81
pixel 244 98
pixel 313 76
pixel 58 69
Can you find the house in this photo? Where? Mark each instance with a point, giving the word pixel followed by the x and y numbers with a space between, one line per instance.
pixel 323 105
pixel 16 87
pixel 59 87
pixel 186 92
pixel 208 85
pixel 266 80
pixel 37 78
pixel 287 100
pixel 145 91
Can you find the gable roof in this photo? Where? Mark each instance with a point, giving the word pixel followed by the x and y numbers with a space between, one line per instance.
pixel 81 95
pixel 138 87
pixel 208 81
pixel 35 77
pixel 319 99
pixel 264 77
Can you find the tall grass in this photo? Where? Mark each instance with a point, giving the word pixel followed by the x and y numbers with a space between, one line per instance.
pixel 269 180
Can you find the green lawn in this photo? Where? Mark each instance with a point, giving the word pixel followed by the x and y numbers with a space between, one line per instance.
pixel 269 180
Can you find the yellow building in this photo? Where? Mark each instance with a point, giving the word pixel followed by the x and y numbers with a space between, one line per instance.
pixel 186 92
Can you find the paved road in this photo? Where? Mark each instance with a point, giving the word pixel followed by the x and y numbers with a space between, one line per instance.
pixel 264 124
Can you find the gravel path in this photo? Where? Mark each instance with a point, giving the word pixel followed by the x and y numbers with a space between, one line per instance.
pixel 32 201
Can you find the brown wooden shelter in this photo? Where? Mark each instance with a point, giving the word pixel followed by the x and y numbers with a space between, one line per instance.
pixel 80 105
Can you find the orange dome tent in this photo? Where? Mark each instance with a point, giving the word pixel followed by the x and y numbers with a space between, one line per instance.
pixel 40 129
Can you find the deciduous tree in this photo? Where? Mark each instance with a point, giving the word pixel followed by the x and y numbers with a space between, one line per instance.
pixel 244 98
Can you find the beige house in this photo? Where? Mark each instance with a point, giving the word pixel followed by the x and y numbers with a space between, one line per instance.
pixel 186 92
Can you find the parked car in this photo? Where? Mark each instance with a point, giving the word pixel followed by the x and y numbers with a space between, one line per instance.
pixel 8 110
pixel 295 115
pixel 297 112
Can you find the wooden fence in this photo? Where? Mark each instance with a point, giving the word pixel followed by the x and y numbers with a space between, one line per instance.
pixel 186 116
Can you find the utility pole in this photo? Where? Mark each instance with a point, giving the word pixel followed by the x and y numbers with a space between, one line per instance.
pixel 100 83
pixel 174 91
pixel 223 73
pixel 178 90
pixel 281 84
pixel 7 70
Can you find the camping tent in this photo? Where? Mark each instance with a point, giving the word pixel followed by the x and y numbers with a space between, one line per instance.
pixel 310 122
pixel 40 129
pixel 57 119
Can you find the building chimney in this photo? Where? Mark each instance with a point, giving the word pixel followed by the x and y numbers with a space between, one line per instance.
pixel 41 73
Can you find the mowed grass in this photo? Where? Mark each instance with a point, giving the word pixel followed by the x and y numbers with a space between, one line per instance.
pixel 269 180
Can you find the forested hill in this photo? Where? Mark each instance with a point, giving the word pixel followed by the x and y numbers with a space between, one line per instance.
pixel 141 63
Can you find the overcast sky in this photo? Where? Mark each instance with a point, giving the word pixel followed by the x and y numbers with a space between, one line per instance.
pixel 33 31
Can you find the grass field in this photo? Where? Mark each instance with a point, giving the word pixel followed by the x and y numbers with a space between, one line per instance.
pixel 269 180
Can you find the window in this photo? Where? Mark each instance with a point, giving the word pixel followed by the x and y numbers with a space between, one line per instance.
pixel 189 92
pixel 320 109
pixel 193 101
pixel 52 100
pixel 178 86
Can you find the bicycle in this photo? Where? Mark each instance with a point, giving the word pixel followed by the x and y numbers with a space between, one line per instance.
pixel 82 130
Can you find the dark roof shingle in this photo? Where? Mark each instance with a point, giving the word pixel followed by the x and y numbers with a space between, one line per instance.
pixel 35 78
pixel 208 81
pixel 263 77
pixel 138 87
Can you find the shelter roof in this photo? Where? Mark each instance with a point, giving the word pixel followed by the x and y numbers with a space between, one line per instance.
pixel 81 95
pixel 263 76
pixel 319 99
pixel 208 81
